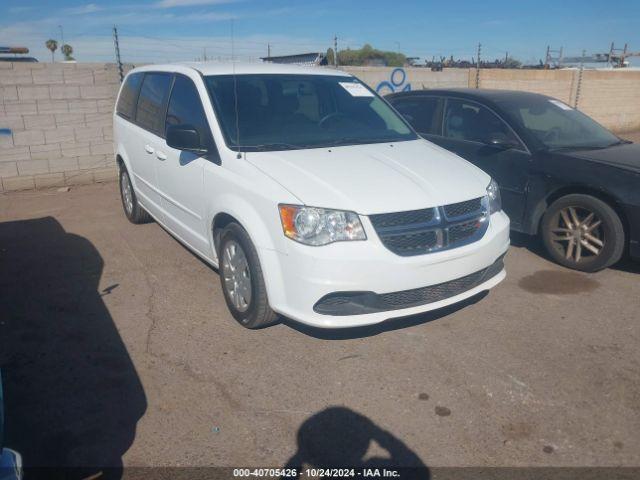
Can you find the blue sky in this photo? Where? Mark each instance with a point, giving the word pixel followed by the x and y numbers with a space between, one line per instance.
pixel 160 30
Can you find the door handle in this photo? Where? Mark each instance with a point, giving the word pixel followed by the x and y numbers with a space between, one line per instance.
pixel 149 149
pixel 161 156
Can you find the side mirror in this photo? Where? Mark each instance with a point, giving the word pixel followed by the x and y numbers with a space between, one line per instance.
pixel 501 142
pixel 185 137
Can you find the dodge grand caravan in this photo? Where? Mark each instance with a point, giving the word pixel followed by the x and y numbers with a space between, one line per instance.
pixel 310 194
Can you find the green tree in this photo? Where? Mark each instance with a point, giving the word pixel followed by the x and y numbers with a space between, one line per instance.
pixel 67 51
pixel 330 56
pixel 512 63
pixel 367 54
pixel 52 45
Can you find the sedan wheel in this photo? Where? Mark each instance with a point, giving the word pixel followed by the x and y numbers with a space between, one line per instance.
pixel 583 232
pixel 578 232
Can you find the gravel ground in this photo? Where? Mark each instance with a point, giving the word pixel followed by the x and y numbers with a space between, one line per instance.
pixel 118 348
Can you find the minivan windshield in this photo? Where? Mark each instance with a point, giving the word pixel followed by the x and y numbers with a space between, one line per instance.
pixel 287 112
pixel 557 125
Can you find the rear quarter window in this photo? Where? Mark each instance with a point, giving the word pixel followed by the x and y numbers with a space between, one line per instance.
pixel 129 95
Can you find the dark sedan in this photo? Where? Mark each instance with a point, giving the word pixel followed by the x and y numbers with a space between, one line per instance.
pixel 561 174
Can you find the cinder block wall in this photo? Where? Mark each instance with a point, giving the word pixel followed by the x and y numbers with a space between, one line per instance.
pixel 555 83
pixel 612 98
pixel 59 117
pixel 417 78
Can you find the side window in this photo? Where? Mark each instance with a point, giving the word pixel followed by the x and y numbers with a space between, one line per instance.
pixel 464 120
pixel 185 108
pixel 422 112
pixel 151 102
pixel 129 95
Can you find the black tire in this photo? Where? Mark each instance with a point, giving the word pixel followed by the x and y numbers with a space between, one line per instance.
pixel 609 232
pixel 133 211
pixel 256 313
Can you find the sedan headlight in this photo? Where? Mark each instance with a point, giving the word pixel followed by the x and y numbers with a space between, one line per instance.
pixel 493 194
pixel 320 226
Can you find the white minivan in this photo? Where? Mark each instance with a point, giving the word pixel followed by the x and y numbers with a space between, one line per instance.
pixel 311 196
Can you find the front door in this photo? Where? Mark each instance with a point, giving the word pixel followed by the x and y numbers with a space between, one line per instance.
pixel 468 129
pixel 180 173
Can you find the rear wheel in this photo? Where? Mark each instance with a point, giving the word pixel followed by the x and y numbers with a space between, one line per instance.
pixel 583 232
pixel 132 209
pixel 241 278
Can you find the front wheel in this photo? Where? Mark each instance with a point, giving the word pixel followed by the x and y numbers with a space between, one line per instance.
pixel 241 279
pixel 583 232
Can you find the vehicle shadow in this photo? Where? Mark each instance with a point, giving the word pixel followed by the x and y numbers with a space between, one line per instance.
pixel 386 326
pixel 338 437
pixel 72 394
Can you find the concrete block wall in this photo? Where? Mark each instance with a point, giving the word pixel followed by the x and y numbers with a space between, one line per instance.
pixel 418 78
pixel 59 122
pixel 555 83
pixel 612 98
pixel 59 115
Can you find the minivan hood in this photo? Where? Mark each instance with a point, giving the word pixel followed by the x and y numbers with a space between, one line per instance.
pixel 374 178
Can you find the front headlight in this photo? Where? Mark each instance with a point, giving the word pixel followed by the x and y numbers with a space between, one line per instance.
pixel 319 226
pixel 493 194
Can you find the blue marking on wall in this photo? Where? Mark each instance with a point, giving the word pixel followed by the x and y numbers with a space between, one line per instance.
pixel 397 83
pixel 5 131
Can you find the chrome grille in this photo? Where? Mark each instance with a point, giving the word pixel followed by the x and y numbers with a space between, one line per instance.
pixel 417 232
pixel 462 209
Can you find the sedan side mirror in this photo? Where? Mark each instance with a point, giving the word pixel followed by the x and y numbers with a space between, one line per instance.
pixel 501 142
pixel 187 138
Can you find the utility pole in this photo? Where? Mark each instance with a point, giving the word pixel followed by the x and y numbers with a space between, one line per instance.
pixel 478 66
pixel 580 72
pixel 117 46
pixel 61 35
pixel 546 58
pixel 204 54
pixel 335 51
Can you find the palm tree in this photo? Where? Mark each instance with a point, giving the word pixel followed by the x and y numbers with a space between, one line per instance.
pixel 67 50
pixel 53 46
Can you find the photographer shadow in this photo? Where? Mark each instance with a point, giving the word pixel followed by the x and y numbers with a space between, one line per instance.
pixel 72 394
pixel 338 437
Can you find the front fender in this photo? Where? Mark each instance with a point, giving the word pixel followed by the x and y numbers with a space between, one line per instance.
pixel 262 225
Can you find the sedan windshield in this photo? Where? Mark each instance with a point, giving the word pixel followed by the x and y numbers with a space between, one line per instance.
pixel 286 112
pixel 557 125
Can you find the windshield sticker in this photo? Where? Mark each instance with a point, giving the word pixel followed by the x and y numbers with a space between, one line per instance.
pixel 563 106
pixel 356 89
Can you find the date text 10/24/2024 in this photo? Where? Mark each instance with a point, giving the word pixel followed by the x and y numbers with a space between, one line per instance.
pixel 317 472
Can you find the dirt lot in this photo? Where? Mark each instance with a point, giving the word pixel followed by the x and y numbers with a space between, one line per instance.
pixel 117 347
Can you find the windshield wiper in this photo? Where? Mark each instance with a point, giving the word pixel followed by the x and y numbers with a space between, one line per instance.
pixel 270 146
pixel 359 141
pixel 620 141
pixel 578 147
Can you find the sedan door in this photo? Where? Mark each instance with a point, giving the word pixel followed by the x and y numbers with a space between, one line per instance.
pixel 180 173
pixel 478 135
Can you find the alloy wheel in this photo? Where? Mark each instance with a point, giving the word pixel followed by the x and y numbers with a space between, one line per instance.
pixel 127 192
pixel 237 275
pixel 578 233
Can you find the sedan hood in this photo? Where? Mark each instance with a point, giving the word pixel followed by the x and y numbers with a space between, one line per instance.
pixel 375 178
pixel 625 156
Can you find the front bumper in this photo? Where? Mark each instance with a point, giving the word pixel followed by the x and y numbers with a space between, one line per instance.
pixel 298 279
